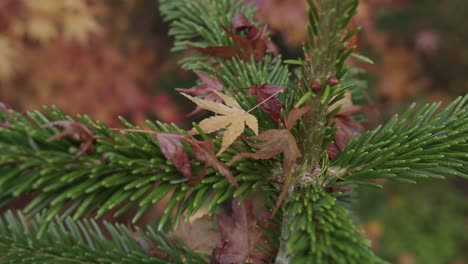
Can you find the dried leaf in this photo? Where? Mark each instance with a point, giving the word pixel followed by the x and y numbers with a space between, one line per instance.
pixel 173 150
pixel 239 233
pixel 75 131
pixel 206 90
pixel 255 43
pixel 271 105
pixel 204 151
pixel 347 127
pixel 232 118
pixel 277 141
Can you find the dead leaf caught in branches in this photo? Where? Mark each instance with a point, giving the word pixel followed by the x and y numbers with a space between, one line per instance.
pixel 173 150
pixel 239 235
pixel 231 117
pixel 75 131
pixel 277 141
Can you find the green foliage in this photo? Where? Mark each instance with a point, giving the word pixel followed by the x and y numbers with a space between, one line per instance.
pixel 426 222
pixel 128 168
pixel 69 241
pixel 431 145
pixel 321 230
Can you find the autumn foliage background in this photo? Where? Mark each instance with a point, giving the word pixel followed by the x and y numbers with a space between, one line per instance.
pixel 109 58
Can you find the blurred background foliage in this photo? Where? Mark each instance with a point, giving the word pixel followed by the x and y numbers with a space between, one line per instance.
pixel 111 57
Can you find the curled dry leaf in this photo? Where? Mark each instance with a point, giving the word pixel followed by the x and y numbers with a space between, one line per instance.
pixel 231 117
pixel 347 127
pixel 206 89
pixel 265 95
pixel 277 141
pixel 239 235
pixel 75 131
pixel 173 150
pixel 255 43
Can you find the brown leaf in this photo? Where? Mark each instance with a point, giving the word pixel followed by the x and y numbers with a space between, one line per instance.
pixel 274 142
pixel 347 127
pixel 204 151
pixel 174 151
pixel 255 43
pixel 271 105
pixel 75 131
pixel 239 234
pixel 206 90
pixel 232 118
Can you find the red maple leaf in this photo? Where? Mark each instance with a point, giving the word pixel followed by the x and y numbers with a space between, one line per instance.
pixel 173 150
pixel 265 95
pixel 206 89
pixel 255 43
pixel 347 126
pixel 239 234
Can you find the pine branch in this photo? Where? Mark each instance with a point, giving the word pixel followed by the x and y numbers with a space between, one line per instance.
pixel 70 241
pixel 418 145
pixel 199 24
pixel 126 170
pixel 321 231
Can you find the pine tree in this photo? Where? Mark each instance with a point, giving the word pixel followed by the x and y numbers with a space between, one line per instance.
pixel 284 130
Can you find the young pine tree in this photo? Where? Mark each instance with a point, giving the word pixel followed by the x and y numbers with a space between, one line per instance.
pixel 283 131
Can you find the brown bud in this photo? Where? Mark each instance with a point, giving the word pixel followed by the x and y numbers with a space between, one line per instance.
pixel 314 86
pixel 332 81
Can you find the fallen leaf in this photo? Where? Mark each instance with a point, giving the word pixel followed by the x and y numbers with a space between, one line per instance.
pixel 255 43
pixel 75 131
pixel 239 234
pixel 347 127
pixel 232 118
pixel 204 151
pixel 173 150
pixel 206 89
pixel 270 104
pixel 274 142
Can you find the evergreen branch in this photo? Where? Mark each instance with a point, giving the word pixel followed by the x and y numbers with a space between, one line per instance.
pixel 71 241
pixel 126 170
pixel 320 230
pixel 427 145
pixel 199 24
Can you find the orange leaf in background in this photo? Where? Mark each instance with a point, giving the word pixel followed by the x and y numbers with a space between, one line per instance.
pixel 232 118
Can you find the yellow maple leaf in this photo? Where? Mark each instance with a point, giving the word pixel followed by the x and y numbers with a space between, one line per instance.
pixel 231 117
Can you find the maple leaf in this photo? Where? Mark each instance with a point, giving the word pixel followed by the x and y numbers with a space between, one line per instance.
pixel 173 150
pixel 206 89
pixel 277 141
pixel 347 127
pixel 265 95
pixel 255 43
pixel 75 131
pixel 232 118
pixel 239 234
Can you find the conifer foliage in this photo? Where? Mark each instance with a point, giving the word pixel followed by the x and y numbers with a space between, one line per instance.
pixel 283 131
